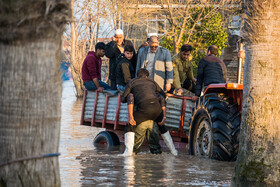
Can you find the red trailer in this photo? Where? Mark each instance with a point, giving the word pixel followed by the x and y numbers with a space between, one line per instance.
pixel 104 111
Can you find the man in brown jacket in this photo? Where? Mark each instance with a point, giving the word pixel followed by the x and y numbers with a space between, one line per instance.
pixel 183 71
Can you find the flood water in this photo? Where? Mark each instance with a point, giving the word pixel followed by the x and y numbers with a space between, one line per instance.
pixel 81 164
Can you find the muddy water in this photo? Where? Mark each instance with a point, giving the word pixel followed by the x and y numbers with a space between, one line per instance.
pixel 81 164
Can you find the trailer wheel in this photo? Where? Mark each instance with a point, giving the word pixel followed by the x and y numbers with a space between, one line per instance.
pixel 214 130
pixel 115 138
pixel 107 139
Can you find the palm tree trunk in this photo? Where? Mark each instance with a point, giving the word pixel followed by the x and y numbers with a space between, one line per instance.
pixel 259 148
pixel 30 91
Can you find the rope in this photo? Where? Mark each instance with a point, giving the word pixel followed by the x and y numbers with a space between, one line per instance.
pixel 29 158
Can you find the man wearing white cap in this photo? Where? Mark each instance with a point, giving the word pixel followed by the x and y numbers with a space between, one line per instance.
pixel 113 50
pixel 146 43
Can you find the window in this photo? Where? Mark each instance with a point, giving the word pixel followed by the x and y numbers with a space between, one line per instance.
pixel 235 22
pixel 156 25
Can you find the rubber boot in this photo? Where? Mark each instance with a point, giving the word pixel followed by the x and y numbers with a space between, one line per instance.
pixel 168 141
pixel 129 143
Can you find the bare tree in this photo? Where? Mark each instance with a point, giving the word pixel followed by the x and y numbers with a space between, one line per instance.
pixel 259 147
pixel 85 19
pixel 177 13
pixel 30 91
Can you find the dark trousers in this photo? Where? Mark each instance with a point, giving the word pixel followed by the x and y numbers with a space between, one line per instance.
pixel 149 130
pixel 148 111
pixel 189 85
pixel 144 113
pixel 113 84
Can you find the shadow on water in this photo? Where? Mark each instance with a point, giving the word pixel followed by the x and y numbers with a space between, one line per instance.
pixel 81 164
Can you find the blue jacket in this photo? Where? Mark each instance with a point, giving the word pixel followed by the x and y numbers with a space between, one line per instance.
pixel 163 68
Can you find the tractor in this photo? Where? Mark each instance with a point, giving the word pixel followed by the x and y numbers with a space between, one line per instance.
pixel 209 127
pixel 215 122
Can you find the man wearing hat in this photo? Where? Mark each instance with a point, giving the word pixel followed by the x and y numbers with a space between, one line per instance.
pixel 146 43
pixel 157 60
pixel 113 50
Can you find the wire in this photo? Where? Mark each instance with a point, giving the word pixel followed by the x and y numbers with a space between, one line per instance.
pixel 29 158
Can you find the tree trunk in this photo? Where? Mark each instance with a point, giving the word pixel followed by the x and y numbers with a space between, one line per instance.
pixel 97 31
pixel 30 91
pixel 75 70
pixel 259 148
pixel 77 79
pixel 176 49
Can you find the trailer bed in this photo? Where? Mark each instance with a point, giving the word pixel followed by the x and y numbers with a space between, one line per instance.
pixel 102 110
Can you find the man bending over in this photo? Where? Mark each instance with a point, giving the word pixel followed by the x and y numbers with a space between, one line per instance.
pixel 146 97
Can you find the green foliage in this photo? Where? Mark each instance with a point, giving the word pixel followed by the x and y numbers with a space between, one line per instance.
pixel 208 31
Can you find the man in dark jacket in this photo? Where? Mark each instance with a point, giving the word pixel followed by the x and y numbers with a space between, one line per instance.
pixel 124 71
pixel 91 69
pixel 211 70
pixel 144 92
pixel 112 51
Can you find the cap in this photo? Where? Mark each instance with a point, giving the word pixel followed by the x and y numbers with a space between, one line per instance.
pixel 152 34
pixel 119 31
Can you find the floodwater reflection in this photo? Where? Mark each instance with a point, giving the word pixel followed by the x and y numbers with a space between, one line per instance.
pixel 81 164
pixel 103 168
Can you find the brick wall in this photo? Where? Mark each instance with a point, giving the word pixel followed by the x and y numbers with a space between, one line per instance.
pixel 230 58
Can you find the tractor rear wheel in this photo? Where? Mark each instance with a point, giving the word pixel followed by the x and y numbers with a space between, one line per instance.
pixel 215 125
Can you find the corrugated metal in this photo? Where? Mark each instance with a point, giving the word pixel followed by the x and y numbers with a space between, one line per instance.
pixel 112 108
pixel 100 106
pixel 173 110
pixel 188 113
pixel 89 104
pixel 123 116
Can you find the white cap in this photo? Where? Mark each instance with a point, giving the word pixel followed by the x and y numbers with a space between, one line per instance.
pixel 119 31
pixel 152 34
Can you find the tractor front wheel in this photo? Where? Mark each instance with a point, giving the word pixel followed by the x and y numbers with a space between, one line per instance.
pixel 203 137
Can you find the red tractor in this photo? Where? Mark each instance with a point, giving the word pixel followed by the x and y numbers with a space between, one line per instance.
pixel 215 123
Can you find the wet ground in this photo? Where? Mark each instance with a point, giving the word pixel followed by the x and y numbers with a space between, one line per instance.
pixel 81 164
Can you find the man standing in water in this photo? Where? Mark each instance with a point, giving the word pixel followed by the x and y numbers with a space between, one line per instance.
pixel 146 95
